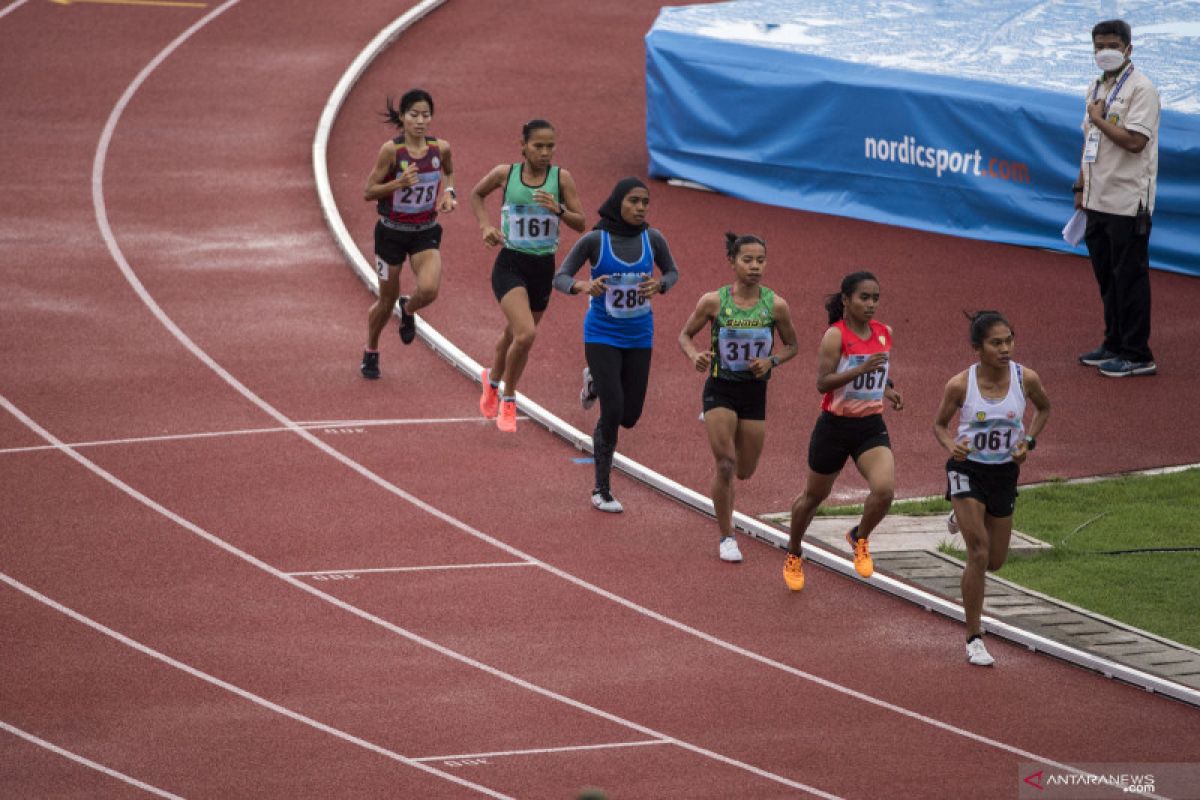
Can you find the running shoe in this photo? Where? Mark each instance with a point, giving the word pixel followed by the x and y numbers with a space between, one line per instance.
pixel 408 323
pixel 793 572
pixel 604 501
pixel 370 365
pixel 1097 356
pixel 729 550
pixel 863 564
pixel 952 524
pixel 587 394
pixel 489 401
pixel 507 420
pixel 978 655
pixel 1124 368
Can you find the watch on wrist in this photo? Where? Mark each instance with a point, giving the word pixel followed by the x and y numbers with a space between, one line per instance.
pixel 774 361
pixel 1076 188
pixel 1030 443
pixel 453 194
pixel 561 210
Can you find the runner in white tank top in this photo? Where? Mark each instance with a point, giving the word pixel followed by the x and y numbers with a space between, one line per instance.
pixel 986 451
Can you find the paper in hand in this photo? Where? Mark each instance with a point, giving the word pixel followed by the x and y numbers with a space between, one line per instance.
pixel 1072 232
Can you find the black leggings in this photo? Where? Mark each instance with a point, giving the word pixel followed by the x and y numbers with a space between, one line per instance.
pixel 620 376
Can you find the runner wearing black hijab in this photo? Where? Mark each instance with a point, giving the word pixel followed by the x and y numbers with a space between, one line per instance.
pixel 618 329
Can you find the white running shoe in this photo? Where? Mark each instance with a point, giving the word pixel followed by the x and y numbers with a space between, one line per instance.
pixel 587 393
pixel 978 655
pixel 606 502
pixel 729 550
pixel 952 524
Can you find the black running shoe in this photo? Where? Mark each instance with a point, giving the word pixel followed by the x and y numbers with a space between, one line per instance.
pixel 408 323
pixel 370 365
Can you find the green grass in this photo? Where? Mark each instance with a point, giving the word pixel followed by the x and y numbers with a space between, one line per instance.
pixel 1155 591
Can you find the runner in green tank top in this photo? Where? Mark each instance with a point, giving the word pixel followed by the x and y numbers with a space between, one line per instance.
pixel 745 318
pixel 537 198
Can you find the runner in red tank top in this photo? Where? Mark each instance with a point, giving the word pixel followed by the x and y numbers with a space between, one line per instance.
pixel 411 183
pixel 852 373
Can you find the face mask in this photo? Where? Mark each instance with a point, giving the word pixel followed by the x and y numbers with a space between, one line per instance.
pixel 1109 60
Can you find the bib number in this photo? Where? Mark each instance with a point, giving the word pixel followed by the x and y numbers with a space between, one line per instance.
pixel 993 441
pixel 622 299
pixel 417 199
pixel 868 386
pixel 959 483
pixel 740 346
pixel 530 226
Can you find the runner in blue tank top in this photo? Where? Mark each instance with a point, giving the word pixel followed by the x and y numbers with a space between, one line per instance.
pixel 618 330
pixel 986 453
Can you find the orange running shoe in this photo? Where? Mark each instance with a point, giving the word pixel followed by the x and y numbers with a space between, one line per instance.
pixel 793 572
pixel 489 401
pixel 507 420
pixel 863 564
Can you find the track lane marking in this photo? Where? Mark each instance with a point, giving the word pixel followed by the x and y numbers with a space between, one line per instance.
pixel 545 750
pixel 4 12
pixel 425 568
pixel 322 425
pixel 85 761
pixel 240 692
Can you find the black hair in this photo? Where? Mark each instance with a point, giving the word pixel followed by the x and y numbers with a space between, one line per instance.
pixel 982 322
pixel 407 100
pixel 733 243
pixel 833 302
pixel 1114 27
pixel 534 125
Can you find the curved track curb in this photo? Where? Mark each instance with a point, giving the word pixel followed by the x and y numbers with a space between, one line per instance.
pixel 746 524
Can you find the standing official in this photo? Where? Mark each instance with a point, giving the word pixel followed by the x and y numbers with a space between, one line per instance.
pixel 1118 174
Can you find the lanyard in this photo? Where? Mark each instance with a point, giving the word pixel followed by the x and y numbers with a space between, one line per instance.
pixel 1116 90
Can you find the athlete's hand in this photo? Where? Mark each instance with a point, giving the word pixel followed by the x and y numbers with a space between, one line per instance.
pixel 492 236
pixel 961 448
pixel 1020 452
pixel 703 361
pixel 649 287
pixel 894 398
pixel 876 361
pixel 409 176
pixel 760 366
pixel 448 203
pixel 544 199
pixel 597 287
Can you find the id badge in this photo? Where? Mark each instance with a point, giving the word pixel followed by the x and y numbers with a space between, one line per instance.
pixel 1092 146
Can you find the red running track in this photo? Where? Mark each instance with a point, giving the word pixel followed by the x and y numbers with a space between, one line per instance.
pixel 497 636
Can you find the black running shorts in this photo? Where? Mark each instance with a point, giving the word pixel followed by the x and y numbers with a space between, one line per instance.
pixel 747 399
pixel 515 269
pixel 394 246
pixel 835 438
pixel 994 485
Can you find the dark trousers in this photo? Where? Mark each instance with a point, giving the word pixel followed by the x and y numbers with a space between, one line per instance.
pixel 620 377
pixel 1121 264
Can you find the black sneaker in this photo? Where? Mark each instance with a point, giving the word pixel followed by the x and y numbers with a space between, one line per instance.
pixel 370 365
pixel 408 323
pixel 1097 356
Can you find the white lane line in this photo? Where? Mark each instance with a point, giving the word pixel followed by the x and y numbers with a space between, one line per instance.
pixel 427 568
pixel 87 762
pixel 323 425
pixel 390 626
pixel 240 692
pixel 4 12
pixel 545 750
